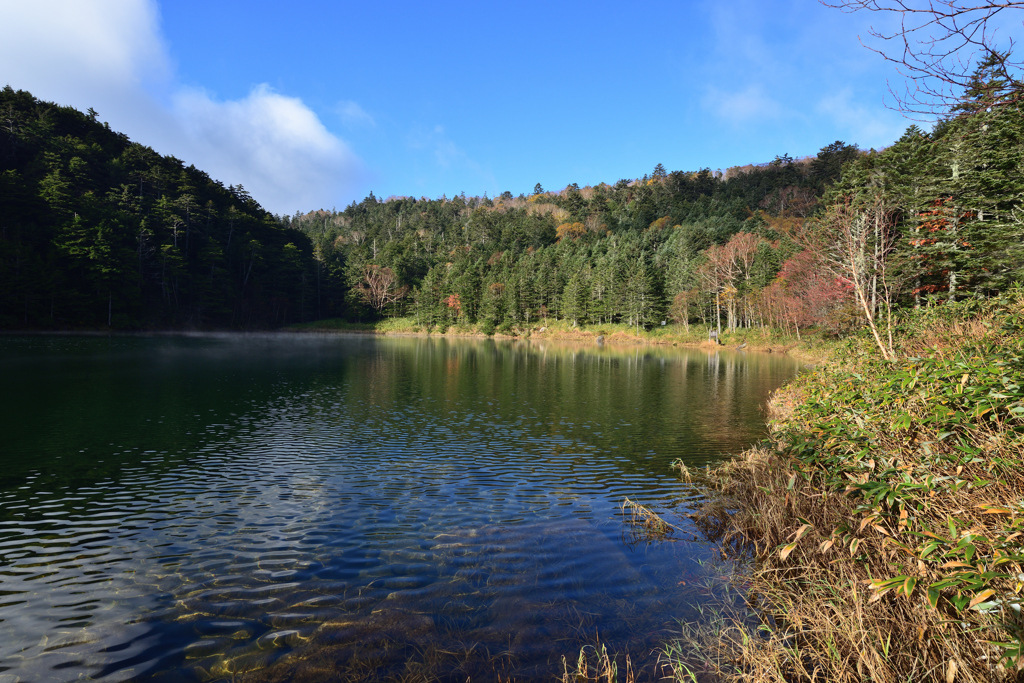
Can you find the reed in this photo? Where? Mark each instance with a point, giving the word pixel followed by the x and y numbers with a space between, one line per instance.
pixel 644 520
pixel 595 665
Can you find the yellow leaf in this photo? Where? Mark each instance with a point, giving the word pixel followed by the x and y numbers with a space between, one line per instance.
pixel 997 511
pixel 956 563
pixel 981 597
pixel 787 550
pixel 825 547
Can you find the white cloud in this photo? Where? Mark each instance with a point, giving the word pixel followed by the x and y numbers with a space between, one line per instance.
pixel 69 48
pixel 274 145
pixel 110 55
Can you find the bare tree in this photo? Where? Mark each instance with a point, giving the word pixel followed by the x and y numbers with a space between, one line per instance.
pixel 937 46
pixel 855 242
pixel 380 287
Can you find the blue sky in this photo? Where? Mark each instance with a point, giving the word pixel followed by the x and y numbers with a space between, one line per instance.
pixel 314 104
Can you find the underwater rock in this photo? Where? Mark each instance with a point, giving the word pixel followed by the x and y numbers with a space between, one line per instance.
pixel 321 601
pixel 400 624
pixel 235 608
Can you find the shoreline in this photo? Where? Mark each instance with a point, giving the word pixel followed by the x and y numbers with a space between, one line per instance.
pixel 793 349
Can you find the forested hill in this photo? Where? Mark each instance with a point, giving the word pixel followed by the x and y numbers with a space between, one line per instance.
pixel 834 241
pixel 630 252
pixel 97 230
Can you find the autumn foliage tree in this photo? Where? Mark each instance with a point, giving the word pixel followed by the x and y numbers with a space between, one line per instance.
pixel 570 230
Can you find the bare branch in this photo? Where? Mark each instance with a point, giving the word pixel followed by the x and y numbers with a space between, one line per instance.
pixel 937 46
pixel 380 287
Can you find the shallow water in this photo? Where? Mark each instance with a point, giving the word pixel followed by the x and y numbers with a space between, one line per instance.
pixel 299 507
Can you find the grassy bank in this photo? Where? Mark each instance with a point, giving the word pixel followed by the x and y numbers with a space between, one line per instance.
pixel 811 345
pixel 885 516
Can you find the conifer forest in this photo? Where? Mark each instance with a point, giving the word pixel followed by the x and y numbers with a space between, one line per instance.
pixel 98 231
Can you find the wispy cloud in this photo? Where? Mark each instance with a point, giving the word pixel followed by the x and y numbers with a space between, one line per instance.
pixel 353 115
pixel 741 106
pixel 866 126
pixel 112 56
pixel 446 155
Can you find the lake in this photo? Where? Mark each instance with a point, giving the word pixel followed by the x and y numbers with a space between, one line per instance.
pixel 304 507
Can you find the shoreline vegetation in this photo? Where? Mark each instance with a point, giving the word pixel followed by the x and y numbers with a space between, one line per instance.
pixel 811 347
pixel 883 520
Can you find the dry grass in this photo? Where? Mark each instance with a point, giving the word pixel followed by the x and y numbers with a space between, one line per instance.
pixel 595 665
pixel 887 526
pixel 645 525
pixel 823 620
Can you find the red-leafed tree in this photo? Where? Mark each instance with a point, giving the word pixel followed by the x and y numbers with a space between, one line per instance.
pixel 810 294
pixel 454 304
pixel 854 243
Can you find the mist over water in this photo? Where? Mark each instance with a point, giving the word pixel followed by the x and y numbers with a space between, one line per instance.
pixel 300 507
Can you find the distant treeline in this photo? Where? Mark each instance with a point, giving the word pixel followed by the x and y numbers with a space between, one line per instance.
pixel 97 230
pixel 631 252
pixel 834 241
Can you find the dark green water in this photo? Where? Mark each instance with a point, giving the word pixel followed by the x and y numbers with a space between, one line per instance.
pixel 320 508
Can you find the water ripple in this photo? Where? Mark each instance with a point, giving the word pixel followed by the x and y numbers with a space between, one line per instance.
pixel 389 498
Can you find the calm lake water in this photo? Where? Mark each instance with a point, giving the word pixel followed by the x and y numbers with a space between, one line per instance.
pixel 327 508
